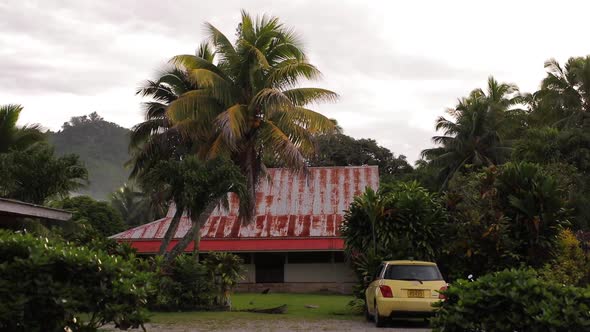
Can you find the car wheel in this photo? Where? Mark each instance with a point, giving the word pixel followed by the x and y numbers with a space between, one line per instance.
pixel 379 320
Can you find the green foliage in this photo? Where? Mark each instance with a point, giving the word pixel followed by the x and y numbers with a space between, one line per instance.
pixel 99 215
pixel 513 300
pixel 406 219
pixel 192 183
pixel 183 285
pixel 570 264
pixel 48 285
pixel 342 150
pixel 36 174
pixel 501 218
pixel 535 204
pixel 401 221
pixel 13 137
pixel 186 284
pixel 136 207
pixel 226 270
pixel 101 145
pixel 477 134
pixel 244 103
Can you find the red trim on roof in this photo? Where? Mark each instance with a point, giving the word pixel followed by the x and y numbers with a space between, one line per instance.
pixel 237 245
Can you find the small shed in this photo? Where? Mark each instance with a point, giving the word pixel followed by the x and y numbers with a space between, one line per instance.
pixel 293 242
pixel 12 211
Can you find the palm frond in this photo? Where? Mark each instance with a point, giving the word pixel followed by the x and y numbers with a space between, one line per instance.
pixel 289 72
pixel 196 104
pixel 232 124
pixel 216 86
pixel 305 96
pixel 275 139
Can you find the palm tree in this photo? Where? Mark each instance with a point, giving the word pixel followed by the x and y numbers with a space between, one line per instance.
pixel 248 104
pixel 13 137
pixel 196 187
pixel 157 138
pixel 476 136
pixel 135 207
pixel 567 89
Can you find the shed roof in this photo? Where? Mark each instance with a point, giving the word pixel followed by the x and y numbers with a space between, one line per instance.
pixel 306 209
pixel 10 209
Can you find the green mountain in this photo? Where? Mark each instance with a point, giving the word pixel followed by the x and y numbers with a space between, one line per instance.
pixel 101 145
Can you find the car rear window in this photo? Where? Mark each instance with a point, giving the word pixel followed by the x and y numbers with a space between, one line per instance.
pixel 412 272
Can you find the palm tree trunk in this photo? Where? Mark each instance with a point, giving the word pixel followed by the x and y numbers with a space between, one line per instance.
pixel 250 166
pixel 171 230
pixel 192 233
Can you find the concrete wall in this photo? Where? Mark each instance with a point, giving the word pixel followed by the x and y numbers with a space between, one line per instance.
pixel 319 272
pixel 298 287
pixel 304 278
pixel 249 274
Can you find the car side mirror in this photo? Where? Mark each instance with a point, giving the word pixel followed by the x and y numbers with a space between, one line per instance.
pixel 367 279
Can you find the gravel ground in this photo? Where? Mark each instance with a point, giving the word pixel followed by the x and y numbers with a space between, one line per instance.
pixel 285 325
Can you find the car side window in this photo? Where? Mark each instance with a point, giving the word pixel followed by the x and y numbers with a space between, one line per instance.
pixel 379 271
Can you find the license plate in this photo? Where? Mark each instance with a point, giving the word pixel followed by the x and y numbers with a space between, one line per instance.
pixel 415 293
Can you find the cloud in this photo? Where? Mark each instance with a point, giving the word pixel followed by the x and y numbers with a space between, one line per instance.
pixel 396 65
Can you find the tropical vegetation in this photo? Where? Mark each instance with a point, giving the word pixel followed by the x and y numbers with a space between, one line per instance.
pixel 241 101
pixel 502 194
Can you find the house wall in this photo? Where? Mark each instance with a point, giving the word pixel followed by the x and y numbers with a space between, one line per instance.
pixel 304 278
pixel 319 272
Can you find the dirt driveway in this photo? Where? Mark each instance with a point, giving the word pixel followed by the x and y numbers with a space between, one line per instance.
pixel 285 325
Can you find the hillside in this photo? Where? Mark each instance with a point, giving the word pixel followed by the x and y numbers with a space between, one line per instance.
pixel 101 145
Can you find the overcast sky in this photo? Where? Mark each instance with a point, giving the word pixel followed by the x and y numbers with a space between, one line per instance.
pixel 396 65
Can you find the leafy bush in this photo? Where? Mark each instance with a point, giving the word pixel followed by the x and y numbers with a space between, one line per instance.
pixel 225 269
pixel 37 174
pixel 513 300
pixel 570 265
pixel 183 285
pixel 46 285
pixel 187 284
pixel 100 215
pixel 401 221
pixel 502 217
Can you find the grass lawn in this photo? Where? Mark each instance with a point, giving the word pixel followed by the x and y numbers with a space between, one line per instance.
pixel 329 307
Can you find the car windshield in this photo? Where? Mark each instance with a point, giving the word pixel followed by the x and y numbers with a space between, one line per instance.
pixel 412 272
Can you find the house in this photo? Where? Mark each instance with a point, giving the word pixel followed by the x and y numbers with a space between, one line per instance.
pixel 293 243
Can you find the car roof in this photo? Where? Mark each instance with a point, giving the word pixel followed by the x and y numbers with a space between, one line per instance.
pixel 409 263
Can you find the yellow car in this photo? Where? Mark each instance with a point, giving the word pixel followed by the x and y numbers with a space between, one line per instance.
pixel 403 289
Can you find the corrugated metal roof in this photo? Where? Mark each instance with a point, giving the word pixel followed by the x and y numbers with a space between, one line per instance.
pixel 288 205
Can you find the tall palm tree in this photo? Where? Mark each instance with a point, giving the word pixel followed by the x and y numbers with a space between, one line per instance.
pixel 475 137
pixel 248 104
pixel 12 136
pixel 567 90
pixel 157 138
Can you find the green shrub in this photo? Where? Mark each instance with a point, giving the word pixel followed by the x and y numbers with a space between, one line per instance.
pixel 570 265
pixel 400 221
pixel 46 285
pixel 184 285
pixel 225 269
pixel 513 300
pixel 100 215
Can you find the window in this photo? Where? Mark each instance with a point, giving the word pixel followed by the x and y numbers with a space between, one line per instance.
pixel 246 257
pixel 270 267
pixel 377 274
pixel 309 257
pixel 412 272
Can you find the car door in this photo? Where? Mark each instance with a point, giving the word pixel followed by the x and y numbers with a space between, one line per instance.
pixel 370 292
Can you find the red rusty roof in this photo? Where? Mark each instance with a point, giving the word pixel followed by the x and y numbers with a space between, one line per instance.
pixel 288 206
